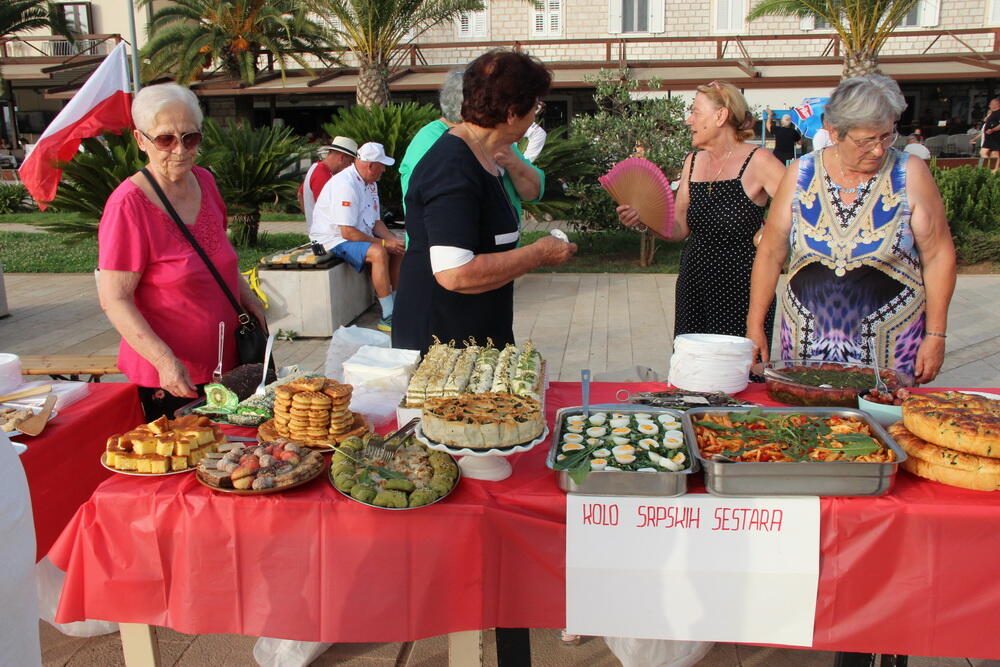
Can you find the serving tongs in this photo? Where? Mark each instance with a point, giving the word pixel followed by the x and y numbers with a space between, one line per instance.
pixel 380 450
pixel 585 389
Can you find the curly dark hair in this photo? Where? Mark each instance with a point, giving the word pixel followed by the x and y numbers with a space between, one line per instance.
pixel 499 82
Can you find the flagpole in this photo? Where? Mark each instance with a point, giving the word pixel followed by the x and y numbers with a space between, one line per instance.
pixel 136 80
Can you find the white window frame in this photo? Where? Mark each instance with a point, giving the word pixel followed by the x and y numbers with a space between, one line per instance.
pixel 655 18
pixel 740 26
pixel 477 24
pixel 546 18
pixel 926 14
pixel 809 23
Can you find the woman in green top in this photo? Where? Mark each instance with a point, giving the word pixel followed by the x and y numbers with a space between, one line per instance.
pixel 522 180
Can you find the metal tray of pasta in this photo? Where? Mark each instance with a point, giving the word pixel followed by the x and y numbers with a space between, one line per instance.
pixel 621 450
pixel 792 451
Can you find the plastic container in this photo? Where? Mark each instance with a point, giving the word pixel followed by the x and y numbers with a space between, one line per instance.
pixel 883 414
pixel 823 390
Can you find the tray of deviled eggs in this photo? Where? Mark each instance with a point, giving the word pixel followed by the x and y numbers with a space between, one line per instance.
pixel 621 450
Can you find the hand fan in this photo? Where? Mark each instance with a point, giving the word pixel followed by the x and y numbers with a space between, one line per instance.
pixel 640 184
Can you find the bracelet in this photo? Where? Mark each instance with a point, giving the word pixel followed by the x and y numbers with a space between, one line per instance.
pixel 383 243
pixel 937 334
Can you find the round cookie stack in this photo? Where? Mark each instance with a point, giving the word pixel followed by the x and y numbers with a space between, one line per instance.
pixel 341 417
pixel 314 411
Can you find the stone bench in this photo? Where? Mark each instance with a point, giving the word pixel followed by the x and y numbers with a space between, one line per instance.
pixel 315 302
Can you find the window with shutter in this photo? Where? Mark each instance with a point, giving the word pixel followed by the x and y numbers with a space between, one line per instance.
pixel 729 16
pixel 994 17
pixel 78 16
pixel 473 25
pixel 912 17
pixel 546 18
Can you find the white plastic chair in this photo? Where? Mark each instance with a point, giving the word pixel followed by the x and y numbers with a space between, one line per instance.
pixel 936 144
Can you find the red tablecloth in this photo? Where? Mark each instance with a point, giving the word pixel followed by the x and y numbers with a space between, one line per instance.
pixel 908 573
pixel 62 464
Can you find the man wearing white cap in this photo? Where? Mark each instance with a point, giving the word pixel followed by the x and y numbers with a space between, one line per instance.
pixel 339 155
pixel 348 223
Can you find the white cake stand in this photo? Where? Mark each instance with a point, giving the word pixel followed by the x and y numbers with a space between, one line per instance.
pixel 486 464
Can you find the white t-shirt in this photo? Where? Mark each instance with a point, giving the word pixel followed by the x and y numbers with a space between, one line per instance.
pixel 346 200
pixel 821 139
pixel 919 150
pixel 536 141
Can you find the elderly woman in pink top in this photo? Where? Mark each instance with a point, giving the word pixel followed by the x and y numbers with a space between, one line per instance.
pixel 154 287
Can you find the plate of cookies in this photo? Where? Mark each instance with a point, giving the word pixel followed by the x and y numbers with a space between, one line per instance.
pixel 315 412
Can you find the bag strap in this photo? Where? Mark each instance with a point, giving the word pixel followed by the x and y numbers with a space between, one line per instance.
pixel 243 316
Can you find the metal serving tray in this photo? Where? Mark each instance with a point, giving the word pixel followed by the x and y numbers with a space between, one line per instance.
pixel 813 478
pixel 621 482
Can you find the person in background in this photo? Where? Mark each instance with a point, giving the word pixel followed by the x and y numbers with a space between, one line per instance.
pixel 822 137
pixel 724 187
pixel 340 154
pixel 536 138
pixel 458 272
pixel 786 136
pixel 153 286
pixel 347 222
pixel 872 265
pixel 914 146
pixel 991 135
pixel 522 180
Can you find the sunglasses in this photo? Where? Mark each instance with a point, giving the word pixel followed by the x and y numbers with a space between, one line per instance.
pixel 167 142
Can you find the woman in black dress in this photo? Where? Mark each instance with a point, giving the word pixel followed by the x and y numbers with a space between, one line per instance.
pixel 991 135
pixel 457 278
pixel 720 208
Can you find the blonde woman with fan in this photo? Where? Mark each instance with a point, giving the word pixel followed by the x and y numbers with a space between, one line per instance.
pixel 719 208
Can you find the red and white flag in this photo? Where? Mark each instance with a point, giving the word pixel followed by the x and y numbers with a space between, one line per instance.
pixel 103 105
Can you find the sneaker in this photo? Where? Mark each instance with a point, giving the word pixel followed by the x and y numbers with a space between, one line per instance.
pixel 385 324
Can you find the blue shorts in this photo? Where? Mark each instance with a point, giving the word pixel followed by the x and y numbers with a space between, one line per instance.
pixel 353 252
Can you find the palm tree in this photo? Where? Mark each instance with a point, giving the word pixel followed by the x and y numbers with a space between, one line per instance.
pixel 373 29
pixel 253 168
pixel 862 25
pixel 22 15
pixel 188 36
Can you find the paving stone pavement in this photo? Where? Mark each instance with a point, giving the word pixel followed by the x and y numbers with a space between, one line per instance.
pixel 604 322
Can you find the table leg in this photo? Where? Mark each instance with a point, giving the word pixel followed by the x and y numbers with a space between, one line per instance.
pixel 465 649
pixel 139 645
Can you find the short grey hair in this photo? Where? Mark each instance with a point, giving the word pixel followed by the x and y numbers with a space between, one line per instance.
pixel 151 100
pixel 451 95
pixel 864 101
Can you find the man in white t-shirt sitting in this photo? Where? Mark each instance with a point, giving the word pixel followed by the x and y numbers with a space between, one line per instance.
pixel 340 154
pixel 914 147
pixel 347 222
pixel 822 137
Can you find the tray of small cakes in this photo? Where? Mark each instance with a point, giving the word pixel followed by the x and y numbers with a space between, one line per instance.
pixel 162 447
pixel 251 469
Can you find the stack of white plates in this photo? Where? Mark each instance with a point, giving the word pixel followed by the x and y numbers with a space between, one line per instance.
pixel 10 372
pixel 711 362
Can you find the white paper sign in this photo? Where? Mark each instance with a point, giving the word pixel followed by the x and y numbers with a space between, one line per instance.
pixel 696 568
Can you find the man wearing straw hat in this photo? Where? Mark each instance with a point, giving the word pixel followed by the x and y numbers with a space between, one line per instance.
pixel 340 154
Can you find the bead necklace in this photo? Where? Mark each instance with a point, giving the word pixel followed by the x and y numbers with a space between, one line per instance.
pixel 845 190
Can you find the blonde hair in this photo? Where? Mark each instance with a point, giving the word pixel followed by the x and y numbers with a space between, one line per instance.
pixel 727 96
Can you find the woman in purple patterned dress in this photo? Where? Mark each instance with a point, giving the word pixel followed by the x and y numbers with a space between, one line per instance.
pixel 872 262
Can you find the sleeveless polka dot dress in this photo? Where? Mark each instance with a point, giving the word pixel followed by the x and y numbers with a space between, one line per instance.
pixel 713 287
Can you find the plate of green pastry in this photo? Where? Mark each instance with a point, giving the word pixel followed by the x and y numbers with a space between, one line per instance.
pixel 415 476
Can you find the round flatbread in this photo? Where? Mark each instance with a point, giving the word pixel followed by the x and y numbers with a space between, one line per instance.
pixel 918 448
pixel 961 422
pixel 977 481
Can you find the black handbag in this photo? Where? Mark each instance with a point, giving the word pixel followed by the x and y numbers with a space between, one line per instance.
pixel 251 341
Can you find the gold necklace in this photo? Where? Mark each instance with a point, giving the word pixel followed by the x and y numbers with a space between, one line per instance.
pixel 845 190
pixel 725 161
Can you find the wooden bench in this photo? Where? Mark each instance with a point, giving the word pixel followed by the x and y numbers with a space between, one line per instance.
pixel 71 366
